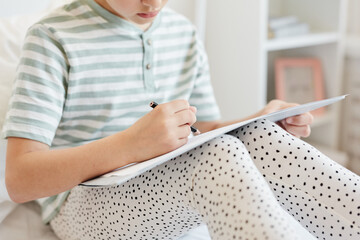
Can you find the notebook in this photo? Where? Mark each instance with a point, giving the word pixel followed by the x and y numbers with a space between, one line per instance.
pixel 123 174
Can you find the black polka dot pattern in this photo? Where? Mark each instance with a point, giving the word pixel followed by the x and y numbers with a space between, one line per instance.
pixel 322 195
pixel 259 182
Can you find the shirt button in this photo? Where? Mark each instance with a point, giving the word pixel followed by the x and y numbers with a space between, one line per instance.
pixel 148 66
pixel 149 41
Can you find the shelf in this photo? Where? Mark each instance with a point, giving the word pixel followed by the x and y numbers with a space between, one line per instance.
pixel 301 41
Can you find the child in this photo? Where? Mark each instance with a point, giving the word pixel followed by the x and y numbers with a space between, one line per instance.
pixel 87 75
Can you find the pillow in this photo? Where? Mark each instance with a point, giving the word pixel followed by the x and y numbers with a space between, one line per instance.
pixel 12 33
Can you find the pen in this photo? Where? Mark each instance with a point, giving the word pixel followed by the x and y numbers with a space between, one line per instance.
pixel 193 129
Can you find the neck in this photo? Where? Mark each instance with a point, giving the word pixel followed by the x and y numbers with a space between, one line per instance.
pixel 105 5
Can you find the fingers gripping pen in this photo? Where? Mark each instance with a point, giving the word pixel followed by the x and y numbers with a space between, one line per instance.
pixel 193 129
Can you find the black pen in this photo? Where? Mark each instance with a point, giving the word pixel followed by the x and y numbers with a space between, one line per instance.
pixel 193 129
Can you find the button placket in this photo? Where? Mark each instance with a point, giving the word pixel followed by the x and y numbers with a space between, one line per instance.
pixel 149 41
pixel 148 64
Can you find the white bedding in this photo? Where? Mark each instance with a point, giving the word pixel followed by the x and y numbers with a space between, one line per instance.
pixel 24 223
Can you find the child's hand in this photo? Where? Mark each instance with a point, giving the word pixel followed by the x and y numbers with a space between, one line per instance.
pixel 162 130
pixel 298 126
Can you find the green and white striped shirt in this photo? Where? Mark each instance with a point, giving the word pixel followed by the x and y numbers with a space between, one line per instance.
pixel 86 74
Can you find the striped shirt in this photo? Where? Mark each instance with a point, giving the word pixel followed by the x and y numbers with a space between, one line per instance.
pixel 86 74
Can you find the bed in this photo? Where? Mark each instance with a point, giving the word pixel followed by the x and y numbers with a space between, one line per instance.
pixel 23 221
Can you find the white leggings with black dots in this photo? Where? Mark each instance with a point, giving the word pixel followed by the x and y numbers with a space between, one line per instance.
pixel 257 182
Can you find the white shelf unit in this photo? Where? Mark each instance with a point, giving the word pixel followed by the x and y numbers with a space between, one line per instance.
pixel 307 40
pixel 242 57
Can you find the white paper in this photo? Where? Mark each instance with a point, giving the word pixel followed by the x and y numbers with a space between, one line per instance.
pixel 125 173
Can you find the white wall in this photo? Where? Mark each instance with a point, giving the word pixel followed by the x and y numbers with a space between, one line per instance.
pixel 194 10
pixel 20 7
pixel 231 75
pixel 235 56
pixel 185 7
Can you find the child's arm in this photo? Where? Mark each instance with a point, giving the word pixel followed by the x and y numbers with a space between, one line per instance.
pixel 34 171
pixel 297 125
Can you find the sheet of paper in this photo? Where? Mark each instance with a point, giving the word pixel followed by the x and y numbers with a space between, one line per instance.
pixel 125 173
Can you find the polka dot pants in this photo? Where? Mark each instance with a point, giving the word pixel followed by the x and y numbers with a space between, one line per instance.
pixel 257 182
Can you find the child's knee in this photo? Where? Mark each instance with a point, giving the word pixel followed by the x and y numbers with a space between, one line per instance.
pixel 261 129
pixel 222 159
pixel 225 168
pixel 266 141
pixel 263 134
pixel 223 150
pixel 274 150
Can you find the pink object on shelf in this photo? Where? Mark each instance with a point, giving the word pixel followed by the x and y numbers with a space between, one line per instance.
pixel 299 80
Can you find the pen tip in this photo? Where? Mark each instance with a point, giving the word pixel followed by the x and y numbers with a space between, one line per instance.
pixel 153 104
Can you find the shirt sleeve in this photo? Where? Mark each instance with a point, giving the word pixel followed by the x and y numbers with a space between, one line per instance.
pixel 202 96
pixel 39 90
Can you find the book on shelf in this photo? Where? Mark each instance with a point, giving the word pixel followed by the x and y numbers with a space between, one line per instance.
pixel 280 22
pixel 288 26
pixel 291 30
